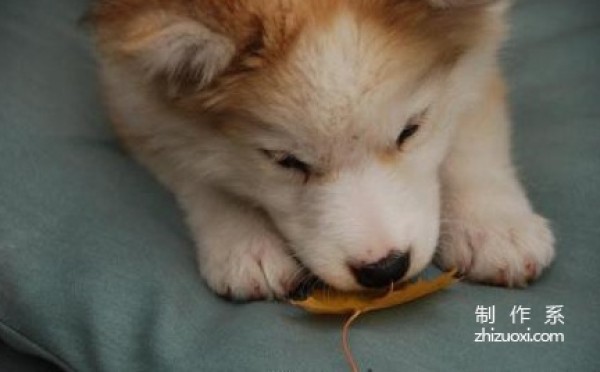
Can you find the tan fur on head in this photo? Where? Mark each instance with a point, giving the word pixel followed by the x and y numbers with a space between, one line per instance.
pixel 187 46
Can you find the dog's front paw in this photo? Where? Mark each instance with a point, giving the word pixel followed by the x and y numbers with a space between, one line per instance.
pixel 249 267
pixel 496 245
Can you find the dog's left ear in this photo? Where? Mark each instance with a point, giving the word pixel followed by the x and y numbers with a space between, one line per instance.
pixel 180 53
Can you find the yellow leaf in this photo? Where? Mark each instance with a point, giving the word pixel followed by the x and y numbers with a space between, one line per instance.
pixel 333 302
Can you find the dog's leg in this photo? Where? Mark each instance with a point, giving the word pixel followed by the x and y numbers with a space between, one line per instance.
pixel 240 255
pixel 489 230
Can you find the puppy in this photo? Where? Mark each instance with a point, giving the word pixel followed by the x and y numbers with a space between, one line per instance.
pixel 347 138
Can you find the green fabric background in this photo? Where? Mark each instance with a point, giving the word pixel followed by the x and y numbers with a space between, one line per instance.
pixel 97 271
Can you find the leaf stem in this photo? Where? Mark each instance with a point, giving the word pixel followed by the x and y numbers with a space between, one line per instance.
pixel 345 343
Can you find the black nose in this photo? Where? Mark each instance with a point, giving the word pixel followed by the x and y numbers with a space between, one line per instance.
pixel 383 272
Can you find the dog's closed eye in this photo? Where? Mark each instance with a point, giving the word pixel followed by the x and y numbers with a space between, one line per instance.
pixel 410 129
pixel 288 161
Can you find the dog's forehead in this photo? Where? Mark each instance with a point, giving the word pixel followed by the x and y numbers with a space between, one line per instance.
pixel 347 79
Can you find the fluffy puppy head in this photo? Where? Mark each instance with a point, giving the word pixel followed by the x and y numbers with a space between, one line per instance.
pixel 330 116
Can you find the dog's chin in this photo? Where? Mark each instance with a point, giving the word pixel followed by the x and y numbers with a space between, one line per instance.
pixel 342 281
pixel 312 282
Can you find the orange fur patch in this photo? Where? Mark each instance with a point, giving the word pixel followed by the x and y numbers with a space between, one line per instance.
pixel 264 32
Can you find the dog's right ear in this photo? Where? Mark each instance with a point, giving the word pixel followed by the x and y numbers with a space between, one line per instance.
pixel 181 53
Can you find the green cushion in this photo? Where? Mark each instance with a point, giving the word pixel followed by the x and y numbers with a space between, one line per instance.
pixel 97 271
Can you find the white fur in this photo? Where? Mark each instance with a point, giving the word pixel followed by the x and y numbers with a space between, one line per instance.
pixel 489 230
pixel 352 95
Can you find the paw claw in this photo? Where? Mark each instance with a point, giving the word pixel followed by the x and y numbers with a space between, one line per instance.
pixel 531 271
pixel 227 294
pixel 501 278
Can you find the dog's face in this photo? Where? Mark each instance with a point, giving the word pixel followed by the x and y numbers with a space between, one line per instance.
pixel 335 122
pixel 340 147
